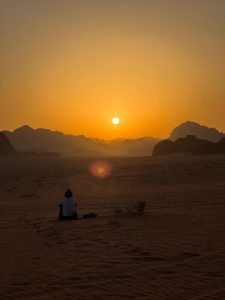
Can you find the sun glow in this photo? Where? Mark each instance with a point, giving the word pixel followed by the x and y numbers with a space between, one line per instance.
pixel 116 121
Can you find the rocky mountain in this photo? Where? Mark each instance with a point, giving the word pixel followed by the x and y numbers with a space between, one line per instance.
pixel 189 144
pixel 212 148
pixel 26 138
pixel 200 131
pixel 6 147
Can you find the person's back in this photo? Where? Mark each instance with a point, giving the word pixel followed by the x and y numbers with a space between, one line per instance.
pixel 68 206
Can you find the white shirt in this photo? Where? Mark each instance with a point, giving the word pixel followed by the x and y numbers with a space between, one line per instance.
pixel 69 206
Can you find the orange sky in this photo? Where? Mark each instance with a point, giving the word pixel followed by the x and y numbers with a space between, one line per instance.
pixel 73 65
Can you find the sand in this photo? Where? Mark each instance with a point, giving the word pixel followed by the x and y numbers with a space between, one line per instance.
pixel 176 250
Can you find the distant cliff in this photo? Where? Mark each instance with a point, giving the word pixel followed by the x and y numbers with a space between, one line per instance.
pixel 200 131
pixel 189 144
pixel 6 147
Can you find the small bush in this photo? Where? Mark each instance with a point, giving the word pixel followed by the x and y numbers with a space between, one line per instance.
pixel 140 207
pixel 137 209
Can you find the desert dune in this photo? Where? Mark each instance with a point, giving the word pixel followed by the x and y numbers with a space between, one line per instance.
pixel 175 250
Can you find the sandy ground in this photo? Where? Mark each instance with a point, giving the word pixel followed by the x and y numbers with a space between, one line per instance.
pixel 176 250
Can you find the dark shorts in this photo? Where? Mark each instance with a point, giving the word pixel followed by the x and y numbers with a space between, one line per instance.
pixel 73 217
pixel 62 217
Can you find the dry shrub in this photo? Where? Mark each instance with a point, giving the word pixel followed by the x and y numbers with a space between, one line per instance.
pixel 137 209
pixel 140 207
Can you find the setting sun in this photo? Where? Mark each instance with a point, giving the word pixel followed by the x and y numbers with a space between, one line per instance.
pixel 116 121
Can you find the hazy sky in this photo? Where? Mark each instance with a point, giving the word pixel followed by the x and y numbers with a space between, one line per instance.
pixel 72 65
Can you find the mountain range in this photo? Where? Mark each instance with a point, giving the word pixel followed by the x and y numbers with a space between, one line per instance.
pixel 27 139
pixel 200 131
pixel 191 137
pixel 189 144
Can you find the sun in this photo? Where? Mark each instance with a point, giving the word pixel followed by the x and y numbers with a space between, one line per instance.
pixel 115 121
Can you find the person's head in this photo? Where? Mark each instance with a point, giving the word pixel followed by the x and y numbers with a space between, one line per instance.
pixel 68 193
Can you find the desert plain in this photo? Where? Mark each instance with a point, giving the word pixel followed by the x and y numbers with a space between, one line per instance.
pixel 175 250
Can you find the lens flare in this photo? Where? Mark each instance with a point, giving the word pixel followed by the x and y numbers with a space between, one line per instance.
pixel 100 169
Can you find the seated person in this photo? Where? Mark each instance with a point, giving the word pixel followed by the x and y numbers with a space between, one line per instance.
pixel 68 207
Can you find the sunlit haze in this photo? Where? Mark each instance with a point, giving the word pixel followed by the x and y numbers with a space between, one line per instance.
pixel 74 65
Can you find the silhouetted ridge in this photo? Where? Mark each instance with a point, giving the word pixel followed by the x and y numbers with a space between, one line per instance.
pixel 189 144
pixel 39 140
pixel 6 147
pixel 200 131
pixel 163 147
pixel 24 128
pixel 212 148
